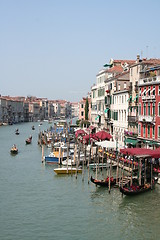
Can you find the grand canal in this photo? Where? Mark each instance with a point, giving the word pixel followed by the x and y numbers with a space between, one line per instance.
pixel 36 204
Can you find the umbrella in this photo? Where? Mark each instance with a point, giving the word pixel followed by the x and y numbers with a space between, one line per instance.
pixel 102 135
pixel 80 132
pixel 90 136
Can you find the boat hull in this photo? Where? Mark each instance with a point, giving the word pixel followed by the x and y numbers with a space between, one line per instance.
pixel 51 160
pixel 103 183
pixel 129 192
pixel 67 171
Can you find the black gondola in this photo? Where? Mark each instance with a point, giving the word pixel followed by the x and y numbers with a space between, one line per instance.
pixel 105 182
pixel 135 190
pixel 14 150
pixel 29 140
pixel 17 132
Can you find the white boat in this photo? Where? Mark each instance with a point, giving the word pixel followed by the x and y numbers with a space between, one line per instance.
pixel 70 162
pixel 69 170
pixel 93 165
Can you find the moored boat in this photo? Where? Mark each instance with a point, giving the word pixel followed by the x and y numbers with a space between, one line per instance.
pixel 33 127
pixel 69 162
pixel 135 190
pixel 51 159
pixel 104 182
pixel 69 170
pixel 59 153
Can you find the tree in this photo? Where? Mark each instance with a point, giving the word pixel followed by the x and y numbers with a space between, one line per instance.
pixel 86 109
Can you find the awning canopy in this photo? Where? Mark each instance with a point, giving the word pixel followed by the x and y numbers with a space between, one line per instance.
pixel 106 110
pixel 102 135
pixel 106 144
pixel 136 151
pixel 131 141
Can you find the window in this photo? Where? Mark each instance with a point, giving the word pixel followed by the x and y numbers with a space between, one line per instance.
pixel 153 90
pixel 149 109
pixel 144 130
pixel 140 92
pixel 122 99
pixel 159 109
pixel 158 90
pixel 81 105
pixel 140 109
pixel 144 112
pixel 153 109
pixel 82 114
pixel 158 131
pixel 124 85
pixel 153 131
pixel 149 91
pixel 119 87
pixel 144 91
pixel 139 129
pixel 148 130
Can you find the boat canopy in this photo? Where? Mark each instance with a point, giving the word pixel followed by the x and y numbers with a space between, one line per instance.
pixel 106 144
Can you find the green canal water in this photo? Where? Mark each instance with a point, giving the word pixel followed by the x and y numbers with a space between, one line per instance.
pixel 36 204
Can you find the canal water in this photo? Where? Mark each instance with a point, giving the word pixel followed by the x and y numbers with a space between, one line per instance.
pixel 36 204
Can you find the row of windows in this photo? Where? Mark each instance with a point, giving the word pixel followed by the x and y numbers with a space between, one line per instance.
pixel 148 109
pixel 101 92
pixel 148 130
pixel 148 91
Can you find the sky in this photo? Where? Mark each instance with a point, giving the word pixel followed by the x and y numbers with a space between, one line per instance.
pixel 55 48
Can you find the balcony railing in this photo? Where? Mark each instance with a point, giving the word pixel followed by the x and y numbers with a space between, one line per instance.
pixel 146 98
pixel 132 119
pixel 150 80
pixel 146 118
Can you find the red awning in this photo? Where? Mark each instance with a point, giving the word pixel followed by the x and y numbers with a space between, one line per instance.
pixel 137 151
pixel 90 136
pixel 102 135
pixel 80 132
pixel 155 153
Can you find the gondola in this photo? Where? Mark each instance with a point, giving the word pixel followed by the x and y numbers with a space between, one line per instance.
pixel 29 140
pixel 17 132
pixel 14 150
pixel 105 182
pixel 135 190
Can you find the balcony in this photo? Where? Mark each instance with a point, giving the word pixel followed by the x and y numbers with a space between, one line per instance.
pixel 146 118
pixel 148 98
pixel 133 119
pixel 149 81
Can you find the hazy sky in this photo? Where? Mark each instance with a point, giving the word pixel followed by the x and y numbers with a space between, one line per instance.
pixel 55 48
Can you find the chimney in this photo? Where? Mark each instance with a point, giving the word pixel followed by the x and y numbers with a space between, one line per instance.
pixel 138 58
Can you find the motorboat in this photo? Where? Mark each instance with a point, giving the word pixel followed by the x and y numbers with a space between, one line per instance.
pixel 69 170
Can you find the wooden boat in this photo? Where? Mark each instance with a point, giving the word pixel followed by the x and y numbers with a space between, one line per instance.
pixel 69 170
pixel 54 157
pixel 51 158
pixel 135 190
pixel 69 162
pixel 17 132
pixel 14 150
pixel 29 140
pixel 105 182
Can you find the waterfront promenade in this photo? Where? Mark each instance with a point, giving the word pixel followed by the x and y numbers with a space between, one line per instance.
pixel 38 204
